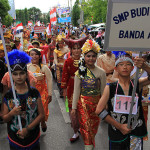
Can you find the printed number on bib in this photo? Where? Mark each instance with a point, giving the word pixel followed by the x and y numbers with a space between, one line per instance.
pixel 122 104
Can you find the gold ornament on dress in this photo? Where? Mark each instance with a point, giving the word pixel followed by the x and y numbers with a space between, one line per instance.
pixel 76 63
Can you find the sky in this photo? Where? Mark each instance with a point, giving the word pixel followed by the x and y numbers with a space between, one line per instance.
pixel 43 5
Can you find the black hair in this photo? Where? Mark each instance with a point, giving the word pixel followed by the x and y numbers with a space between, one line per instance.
pixel 57 46
pixel 28 82
pixel 90 51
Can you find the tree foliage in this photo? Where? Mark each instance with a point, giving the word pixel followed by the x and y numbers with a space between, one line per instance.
pixel 76 13
pixel 95 10
pixel 8 20
pixel 32 14
pixel 4 8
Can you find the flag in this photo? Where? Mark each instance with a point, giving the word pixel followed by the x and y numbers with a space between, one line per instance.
pixel 30 23
pixel 48 30
pixel 53 18
pixel 18 28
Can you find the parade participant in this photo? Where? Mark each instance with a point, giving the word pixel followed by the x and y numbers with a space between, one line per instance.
pixel 44 81
pixel 59 60
pixel 2 54
pixel 44 51
pixel 26 38
pixel 7 37
pixel 52 46
pixel 67 83
pixel 8 47
pixel 17 44
pixel 90 81
pixel 120 137
pixel 35 44
pixel 107 62
pixel 3 70
pixel 29 106
pixel 43 42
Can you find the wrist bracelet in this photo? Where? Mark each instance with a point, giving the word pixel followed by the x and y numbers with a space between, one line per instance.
pixel 103 114
pixel 149 77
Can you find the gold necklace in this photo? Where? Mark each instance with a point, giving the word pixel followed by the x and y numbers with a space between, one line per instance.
pixel 76 63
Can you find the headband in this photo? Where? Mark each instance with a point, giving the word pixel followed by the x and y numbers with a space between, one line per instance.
pixel 122 59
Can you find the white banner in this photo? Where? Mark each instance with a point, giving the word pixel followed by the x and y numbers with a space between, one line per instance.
pixel 128 25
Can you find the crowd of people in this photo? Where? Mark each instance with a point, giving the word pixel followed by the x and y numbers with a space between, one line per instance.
pixel 91 80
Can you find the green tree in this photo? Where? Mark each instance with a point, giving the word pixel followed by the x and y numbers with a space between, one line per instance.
pixel 20 16
pixel 4 8
pixel 95 8
pixel 26 15
pixel 75 13
pixel 8 20
pixel 34 14
pixel 100 10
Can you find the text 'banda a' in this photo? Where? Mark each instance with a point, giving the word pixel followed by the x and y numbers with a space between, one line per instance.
pixel 133 34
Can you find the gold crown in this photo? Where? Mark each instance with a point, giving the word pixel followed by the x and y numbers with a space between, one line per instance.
pixel 59 38
pixel 28 50
pixel 35 42
pixel 90 45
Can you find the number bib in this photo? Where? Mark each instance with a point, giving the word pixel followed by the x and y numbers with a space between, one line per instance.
pixel 122 104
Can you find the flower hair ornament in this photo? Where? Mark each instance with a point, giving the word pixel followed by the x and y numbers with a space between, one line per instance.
pixel 82 67
pixel 18 60
pixel 90 45
pixel 121 57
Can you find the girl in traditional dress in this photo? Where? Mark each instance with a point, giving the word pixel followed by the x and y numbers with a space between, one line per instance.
pixel 67 83
pixel 90 81
pixel 29 106
pixel 44 81
pixel 59 60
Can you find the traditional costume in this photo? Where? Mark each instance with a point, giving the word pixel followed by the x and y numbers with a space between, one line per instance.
pixel 43 84
pixel 108 64
pixel 28 102
pixel 69 69
pixel 133 140
pixel 18 46
pixel 88 88
pixel 60 60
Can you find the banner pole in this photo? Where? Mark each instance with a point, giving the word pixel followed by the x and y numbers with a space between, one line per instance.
pixel 9 70
pixel 133 94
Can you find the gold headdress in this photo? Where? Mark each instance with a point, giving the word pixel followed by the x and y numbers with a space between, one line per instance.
pixel 28 50
pixel 36 42
pixel 59 38
pixel 90 45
